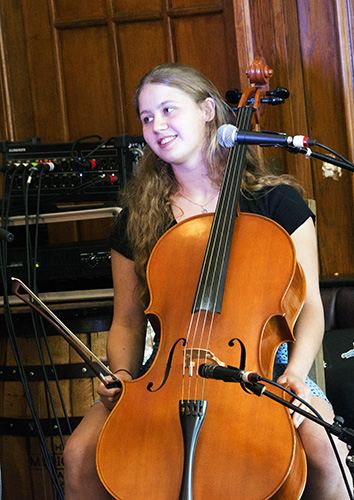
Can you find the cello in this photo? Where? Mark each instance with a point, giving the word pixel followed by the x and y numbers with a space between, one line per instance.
pixel 174 435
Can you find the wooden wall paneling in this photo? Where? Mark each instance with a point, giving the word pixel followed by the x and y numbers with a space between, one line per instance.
pixel 90 97
pixel 60 233
pixel 137 7
pixel 271 29
pixel 84 230
pixel 324 93
pixel 5 109
pixel 47 114
pixel 88 68
pixel 16 73
pixel 142 38
pixel 197 34
pixel 294 112
pixel 176 4
pixel 206 41
pixel 345 10
pixel 244 40
pixel 76 10
pixel 98 229
pixel 349 9
pixel 142 45
pixel 204 36
pixel 202 50
pixel 6 122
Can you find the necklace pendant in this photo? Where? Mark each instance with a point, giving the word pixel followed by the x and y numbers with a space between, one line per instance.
pixel 204 210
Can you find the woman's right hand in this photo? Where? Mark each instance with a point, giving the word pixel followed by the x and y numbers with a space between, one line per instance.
pixel 109 397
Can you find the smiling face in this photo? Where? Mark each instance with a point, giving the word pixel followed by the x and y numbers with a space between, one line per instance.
pixel 174 125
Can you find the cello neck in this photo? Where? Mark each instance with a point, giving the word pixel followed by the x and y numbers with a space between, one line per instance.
pixel 211 284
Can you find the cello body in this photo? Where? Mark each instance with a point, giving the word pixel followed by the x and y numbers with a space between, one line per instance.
pixel 246 447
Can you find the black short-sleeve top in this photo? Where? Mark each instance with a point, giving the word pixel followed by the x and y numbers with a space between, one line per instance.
pixel 282 203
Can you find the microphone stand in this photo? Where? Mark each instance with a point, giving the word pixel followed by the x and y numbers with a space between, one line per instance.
pixel 344 434
pixel 309 153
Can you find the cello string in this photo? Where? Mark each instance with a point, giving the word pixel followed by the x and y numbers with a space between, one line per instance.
pixel 220 226
pixel 231 201
pixel 194 320
pixel 224 225
pixel 197 317
pixel 225 205
pixel 211 243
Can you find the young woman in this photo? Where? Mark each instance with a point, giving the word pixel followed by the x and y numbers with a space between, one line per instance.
pixel 180 176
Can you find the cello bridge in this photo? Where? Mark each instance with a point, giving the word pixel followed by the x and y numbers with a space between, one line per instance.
pixel 193 356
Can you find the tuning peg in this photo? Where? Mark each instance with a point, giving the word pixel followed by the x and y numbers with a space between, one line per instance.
pixel 280 92
pixel 233 96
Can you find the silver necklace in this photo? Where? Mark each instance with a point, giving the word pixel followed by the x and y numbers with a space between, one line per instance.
pixel 203 207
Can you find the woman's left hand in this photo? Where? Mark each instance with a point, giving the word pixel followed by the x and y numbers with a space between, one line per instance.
pixel 298 387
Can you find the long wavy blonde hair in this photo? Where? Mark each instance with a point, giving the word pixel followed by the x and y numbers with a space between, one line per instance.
pixel 149 192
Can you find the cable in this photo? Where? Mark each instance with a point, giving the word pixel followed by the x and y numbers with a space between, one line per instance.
pixel 47 457
pixel 41 437
pixel 32 261
pixel 345 160
pixel 75 156
pixel 18 359
pixel 319 416
pixel 54 371
pixel 38 326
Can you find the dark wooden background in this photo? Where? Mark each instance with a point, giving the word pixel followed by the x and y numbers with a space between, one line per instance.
pixel 69 69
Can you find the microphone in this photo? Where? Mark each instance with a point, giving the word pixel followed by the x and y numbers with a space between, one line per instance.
pixel 227 374
pixel 228 135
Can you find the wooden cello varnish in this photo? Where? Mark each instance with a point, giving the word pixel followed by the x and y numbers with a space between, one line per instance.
pixel 244 447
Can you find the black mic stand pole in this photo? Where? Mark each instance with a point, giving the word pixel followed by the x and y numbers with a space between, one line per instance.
pixel 318 156
pixel 344 434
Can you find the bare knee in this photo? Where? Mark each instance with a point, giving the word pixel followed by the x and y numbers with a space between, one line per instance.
pixel 79 452
pixel 80 449
pixel 318 447
pixel 325 479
